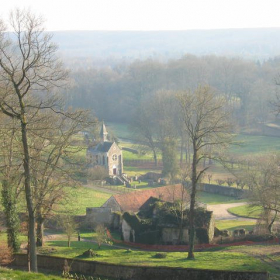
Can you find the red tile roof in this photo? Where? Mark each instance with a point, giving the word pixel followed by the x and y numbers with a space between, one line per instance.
pixel 134 200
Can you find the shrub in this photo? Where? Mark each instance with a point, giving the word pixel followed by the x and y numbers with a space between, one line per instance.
pixel 160 255
pixel 89 254
pixel 259 238
pixel 6 256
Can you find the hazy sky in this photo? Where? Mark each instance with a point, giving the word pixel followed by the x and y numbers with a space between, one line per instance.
pixel 150 14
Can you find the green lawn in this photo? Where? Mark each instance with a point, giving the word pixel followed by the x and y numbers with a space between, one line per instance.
pixel 222 260
pixel 210 198
pixel 119 129
pixel 246 211
pixel 80 198
pixel 255 144
pixel 9 274
pixel 234 224
pixel 248 143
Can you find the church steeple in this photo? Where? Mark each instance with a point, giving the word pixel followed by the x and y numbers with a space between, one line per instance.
pixel 103 133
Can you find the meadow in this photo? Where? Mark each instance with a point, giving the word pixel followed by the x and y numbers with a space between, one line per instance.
pixel 10 274
pixel 220 260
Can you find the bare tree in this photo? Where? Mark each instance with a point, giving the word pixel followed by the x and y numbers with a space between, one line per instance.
pixel 11 179
pixel 69 226
pixel 53 160
pixel 264 181
pixel 29 70
pixel 206 121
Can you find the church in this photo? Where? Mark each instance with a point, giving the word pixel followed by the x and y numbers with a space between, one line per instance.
pixel 106 154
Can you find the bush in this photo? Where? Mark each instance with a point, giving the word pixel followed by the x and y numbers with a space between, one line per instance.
pixel 160 255
pixel 6 256
pixel 97 173
pixel 259 238
pixel 128 251
pixel 89 254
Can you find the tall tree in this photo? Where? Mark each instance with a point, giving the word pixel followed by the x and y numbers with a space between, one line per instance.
pixel 206 122
pixel 264 181
pixel 53 160
pixel 11 179
pixel 28 67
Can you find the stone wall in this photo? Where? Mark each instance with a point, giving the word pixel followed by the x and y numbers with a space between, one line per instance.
pixel 99 215
pixel 222 190
pixel 112 203
pixel 138 272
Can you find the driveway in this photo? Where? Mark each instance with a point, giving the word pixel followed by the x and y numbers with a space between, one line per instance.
pixel 220 211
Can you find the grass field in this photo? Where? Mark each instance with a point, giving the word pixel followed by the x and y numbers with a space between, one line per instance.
pixel 255 144
pixel 10 274
pixel 221 260
pixel 234 224
pixel 210 198
pixel 248 144
pixel 80 198
pixel 246 211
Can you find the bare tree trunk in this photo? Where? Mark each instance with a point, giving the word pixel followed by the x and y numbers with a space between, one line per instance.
pixel 180 237
pixel 155 157
pixel 40 231
pixel 192 205
pixel 272 222
pixel 28 194
pixel 181 153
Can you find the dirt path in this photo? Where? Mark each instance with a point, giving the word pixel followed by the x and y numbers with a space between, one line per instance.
pixel 221 211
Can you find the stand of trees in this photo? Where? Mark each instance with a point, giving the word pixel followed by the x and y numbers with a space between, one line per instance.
pixel 116 93
pixel 35 126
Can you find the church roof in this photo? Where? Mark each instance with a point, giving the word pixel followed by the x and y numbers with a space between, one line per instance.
pixel 102 147
pixel 134 200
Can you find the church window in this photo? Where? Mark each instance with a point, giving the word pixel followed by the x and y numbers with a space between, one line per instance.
pixel 103 160
pixel 114 157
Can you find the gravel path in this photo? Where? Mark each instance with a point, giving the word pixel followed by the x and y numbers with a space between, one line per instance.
pixel 221 213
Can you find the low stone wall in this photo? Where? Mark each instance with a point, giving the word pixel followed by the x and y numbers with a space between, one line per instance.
pixel 138 272
pixel 222 190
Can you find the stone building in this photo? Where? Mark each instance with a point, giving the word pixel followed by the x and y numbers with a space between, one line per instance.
pixel 157 224
pixel 106 154
pixel 134 200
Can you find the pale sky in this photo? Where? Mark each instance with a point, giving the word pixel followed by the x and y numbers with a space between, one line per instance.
pixel 150 14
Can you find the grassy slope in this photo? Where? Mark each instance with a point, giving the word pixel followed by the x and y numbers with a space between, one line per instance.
pixel 246 211
pixel 80 198
pixel 255 144
pixel 250 144
pixel 222 260
pixel 210 198
pixel 234 224
pixel 9 274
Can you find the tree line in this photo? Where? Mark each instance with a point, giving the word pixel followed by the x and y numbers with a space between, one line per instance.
pixel 37 159
pixel 115 93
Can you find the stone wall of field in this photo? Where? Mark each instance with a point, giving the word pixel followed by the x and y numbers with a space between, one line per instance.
pixel 138 272
pixel 222 190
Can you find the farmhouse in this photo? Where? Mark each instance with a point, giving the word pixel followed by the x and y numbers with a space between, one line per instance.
pixel 106 154
pixel 133 201
pixel 159 222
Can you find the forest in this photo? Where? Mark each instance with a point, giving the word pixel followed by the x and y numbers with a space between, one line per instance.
pixel 117 93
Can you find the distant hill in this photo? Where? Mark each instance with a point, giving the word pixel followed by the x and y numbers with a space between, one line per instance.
pixel 257 44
